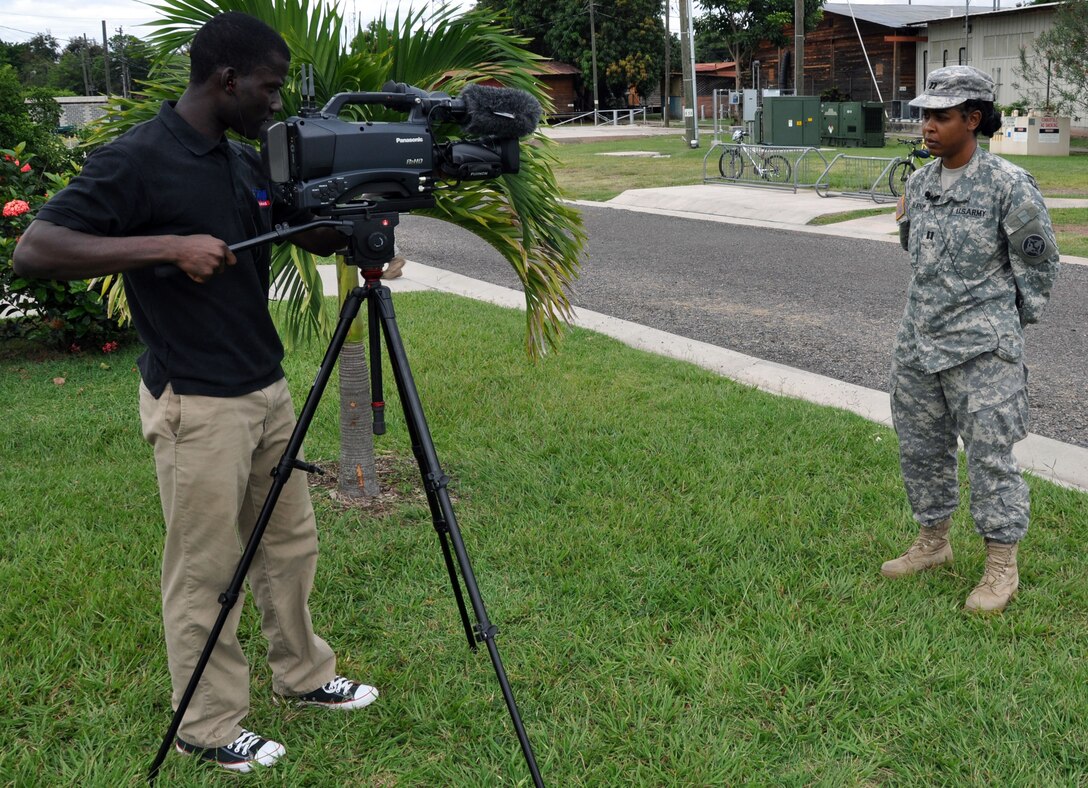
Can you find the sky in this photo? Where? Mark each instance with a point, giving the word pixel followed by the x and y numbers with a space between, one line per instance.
pixel 21 20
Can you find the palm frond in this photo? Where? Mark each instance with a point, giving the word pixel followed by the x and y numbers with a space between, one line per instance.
pixel 521 215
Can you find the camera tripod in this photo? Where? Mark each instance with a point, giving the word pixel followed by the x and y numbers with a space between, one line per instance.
pixel 371 246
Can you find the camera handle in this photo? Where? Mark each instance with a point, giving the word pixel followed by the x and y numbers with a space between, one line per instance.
pixel 380 312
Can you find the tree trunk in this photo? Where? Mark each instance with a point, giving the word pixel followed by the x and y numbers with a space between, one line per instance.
pixel 358 470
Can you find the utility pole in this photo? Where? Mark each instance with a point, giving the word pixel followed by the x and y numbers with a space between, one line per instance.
pixel 126 87
pixel 593 55
pixel 687 53
pixel 86 69
pixel 106 56
pixel 798 47
pixel 668 67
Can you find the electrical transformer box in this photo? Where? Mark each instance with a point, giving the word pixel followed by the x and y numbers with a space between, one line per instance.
pixel 791 121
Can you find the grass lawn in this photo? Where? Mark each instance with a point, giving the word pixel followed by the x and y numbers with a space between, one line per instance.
pixel 589 171
pixel 684 573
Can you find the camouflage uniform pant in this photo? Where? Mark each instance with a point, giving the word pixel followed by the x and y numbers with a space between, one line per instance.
pixel 985 403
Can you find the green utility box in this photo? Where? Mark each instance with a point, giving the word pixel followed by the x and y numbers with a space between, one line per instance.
pixel 852 124
pixel 792 121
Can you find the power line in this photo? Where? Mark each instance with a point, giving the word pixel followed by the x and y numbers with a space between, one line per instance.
pixel 17 30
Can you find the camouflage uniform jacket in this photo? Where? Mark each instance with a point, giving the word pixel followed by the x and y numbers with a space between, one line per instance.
pixel 984 257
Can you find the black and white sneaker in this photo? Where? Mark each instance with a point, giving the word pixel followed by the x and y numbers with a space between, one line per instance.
pixel 340 693
pixel 241 755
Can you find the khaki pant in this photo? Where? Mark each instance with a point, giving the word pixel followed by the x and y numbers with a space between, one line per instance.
pixel 214 457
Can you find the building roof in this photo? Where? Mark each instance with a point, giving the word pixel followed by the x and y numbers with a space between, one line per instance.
pixel 896 16
pixel 982 11
pixel 724 69
pixel 554 67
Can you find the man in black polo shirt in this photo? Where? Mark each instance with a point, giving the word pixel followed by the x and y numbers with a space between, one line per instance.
pixel 160 205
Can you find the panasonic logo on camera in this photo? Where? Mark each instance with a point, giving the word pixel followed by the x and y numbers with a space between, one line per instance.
pixel 408 139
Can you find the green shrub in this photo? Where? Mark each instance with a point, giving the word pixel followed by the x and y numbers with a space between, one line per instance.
pixel 67 315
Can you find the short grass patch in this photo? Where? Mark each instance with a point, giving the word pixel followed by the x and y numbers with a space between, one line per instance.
pixel 684 573
pixel 592 171
pixel 846 216
pixel 1071 227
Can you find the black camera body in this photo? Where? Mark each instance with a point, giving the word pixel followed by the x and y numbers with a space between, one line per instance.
pixel 322 163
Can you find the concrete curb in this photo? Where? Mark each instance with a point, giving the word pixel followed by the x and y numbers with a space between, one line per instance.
pixel 1053 460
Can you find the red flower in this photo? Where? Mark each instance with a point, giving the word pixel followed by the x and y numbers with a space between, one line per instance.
pixel 109 347
pixel 16 208
pixel 24 168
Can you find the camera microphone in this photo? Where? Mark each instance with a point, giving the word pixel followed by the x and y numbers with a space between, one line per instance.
pixel 500 112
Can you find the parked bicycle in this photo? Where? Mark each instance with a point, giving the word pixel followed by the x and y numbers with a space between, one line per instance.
pixel 904 166
pixel 767 166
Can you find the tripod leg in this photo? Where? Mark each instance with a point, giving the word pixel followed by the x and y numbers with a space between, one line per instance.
pixel 282 472
pixel 435 481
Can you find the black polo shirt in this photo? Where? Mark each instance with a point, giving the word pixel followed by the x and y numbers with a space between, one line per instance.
pixel 164 178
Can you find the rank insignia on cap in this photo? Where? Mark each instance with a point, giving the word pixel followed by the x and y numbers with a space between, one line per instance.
pixel 1033 245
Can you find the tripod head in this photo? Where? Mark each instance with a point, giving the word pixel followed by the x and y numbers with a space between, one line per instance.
pixel 368 226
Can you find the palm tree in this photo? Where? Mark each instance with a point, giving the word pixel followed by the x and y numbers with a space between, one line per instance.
pixel 521 216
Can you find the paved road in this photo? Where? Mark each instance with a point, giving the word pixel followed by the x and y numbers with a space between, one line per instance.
pixel 824 304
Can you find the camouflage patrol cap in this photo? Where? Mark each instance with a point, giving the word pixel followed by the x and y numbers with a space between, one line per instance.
pixel 952 85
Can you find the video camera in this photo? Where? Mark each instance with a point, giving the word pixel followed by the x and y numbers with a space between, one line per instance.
pixel 322 163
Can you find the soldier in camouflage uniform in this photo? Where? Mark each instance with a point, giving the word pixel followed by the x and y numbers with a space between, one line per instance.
pixel 985 259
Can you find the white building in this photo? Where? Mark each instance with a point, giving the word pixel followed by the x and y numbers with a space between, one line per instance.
pixel 991 41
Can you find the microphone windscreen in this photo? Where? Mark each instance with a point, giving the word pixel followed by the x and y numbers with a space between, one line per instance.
pixel 500 112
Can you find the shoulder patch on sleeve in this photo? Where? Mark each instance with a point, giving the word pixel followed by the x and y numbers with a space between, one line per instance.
pixel 1033 245
pixel 1028 229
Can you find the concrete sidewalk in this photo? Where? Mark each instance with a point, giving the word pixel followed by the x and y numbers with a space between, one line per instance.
pixel 1059 462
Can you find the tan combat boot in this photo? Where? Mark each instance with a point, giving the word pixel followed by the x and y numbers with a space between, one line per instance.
pixel 999 581
pixel 930 549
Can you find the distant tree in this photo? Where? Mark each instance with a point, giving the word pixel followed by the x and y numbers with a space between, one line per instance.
pixel 80 70
pixel 1054 75
pixel 737 27
pixel 30 121
pixel 130 62
pixel 630 38
pixel 11 53
pixel 35 59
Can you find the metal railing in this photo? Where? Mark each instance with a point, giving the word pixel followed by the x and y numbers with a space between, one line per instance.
pixel 771 166
pixel 607 117
pixel 868 177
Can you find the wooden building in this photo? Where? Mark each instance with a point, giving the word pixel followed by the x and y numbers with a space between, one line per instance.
pixel 835 54
pixel 708 78
pixel 561 82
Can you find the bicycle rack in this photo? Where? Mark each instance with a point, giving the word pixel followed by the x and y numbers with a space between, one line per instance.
pixel 858 176
pixel 806 165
